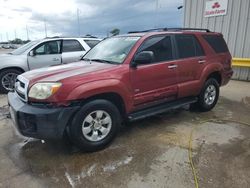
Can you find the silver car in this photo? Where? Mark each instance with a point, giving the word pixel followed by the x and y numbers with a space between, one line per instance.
pixel 41 53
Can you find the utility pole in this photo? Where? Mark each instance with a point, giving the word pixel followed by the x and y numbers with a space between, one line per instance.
pixel 45 28
pixel 15 34
pixel 156 13
pixel 27 32
pixel 7 37
pixel 78 21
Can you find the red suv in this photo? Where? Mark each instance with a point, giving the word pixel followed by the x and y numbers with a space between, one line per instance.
pixel 126 77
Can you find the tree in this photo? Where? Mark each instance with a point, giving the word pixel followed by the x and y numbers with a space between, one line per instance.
pixel 115 32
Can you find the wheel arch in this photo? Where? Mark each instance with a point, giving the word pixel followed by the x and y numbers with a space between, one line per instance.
pixel 216 75
pixel 112 97
pixel 13 67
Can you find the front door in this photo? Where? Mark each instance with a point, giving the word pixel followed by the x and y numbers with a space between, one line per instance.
pixel 45 55
pixel 156 81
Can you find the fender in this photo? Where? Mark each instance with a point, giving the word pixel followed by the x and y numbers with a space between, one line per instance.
pixel 197 85
pixel 11 61
pixel 209 69
pixel 90 89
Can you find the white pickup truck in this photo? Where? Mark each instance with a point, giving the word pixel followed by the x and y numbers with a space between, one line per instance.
pixel 41 53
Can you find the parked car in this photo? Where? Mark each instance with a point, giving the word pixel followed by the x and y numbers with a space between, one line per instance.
pixel 123 78
pixel 6 46
pixel 41 53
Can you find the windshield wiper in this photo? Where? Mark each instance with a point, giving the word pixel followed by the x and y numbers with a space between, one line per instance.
pixel 104 61
pixel 86 59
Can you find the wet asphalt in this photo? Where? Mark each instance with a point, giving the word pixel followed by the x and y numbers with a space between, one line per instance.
pixel 149 153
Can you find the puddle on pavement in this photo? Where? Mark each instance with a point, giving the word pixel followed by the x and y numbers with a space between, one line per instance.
pixel 142 153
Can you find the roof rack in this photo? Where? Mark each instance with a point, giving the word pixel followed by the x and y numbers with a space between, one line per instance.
pixel 171 29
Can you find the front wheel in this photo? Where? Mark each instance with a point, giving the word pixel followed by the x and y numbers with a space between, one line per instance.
pixel 95 125
pixel 209 95
pixel 7 79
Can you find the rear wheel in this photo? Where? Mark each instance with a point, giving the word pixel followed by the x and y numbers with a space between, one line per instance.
pixel 7 79
pixel 209 95
pixel 95 125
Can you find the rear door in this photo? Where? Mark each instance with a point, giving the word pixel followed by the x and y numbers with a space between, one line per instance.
pixel 191 61
pixel 156 81
pixel 45 54
pixel 72 51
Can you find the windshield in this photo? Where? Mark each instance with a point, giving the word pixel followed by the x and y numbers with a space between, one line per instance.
pixel 23 48
pixel 112 50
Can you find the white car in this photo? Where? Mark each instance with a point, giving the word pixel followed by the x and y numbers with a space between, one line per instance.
pixel 41 53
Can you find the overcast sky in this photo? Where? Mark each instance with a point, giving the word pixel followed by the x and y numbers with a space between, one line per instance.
pixel 96 17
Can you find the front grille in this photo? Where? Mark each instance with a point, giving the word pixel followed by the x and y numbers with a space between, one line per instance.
pixel 21 87
pixel 22 84
pixel 20 94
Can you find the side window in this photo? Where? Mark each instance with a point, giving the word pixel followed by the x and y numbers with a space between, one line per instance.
pixel 72 46
pixel 91 43
pixel 198 49
pixel 217 43
pixel 51 47
pixel 188 46
pixel 161 47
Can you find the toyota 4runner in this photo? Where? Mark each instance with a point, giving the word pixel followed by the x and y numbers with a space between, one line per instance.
pixel 123 78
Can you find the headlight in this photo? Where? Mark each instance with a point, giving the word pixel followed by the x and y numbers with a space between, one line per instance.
pixel 43 90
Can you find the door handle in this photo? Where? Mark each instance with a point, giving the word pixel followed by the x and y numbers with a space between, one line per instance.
pixel 55 59
pixel 201 61
pixel 172 66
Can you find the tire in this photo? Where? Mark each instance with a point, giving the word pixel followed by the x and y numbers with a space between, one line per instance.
pixel 90 136
pixel 209 95
pixel 7 74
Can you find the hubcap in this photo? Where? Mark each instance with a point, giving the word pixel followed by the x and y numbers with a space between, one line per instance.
pixel 97 125
pixel 8 81
pixel 210 94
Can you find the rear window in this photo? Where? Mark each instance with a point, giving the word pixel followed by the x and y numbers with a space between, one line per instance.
pixel 91 43
pixel 217 43
pixel 188 46
pixel 72 46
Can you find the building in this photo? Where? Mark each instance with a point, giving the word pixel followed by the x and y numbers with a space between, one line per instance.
pixel 232 19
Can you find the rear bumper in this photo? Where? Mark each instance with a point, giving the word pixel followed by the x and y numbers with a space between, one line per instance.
pixel 39 121
pixel 226 76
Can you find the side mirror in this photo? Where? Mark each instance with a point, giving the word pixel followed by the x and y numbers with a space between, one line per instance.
pixel 32 53
pixel 144 57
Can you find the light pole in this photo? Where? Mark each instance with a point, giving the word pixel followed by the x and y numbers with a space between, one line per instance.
pixel 15 34
pixel 45 28
pixel 7 37
pixel 78 21
pixel 27 32
pixel 179 8
pixel 156 13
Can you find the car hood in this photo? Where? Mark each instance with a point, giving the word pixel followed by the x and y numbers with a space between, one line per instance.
pixel 7 56
pixel 61 72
